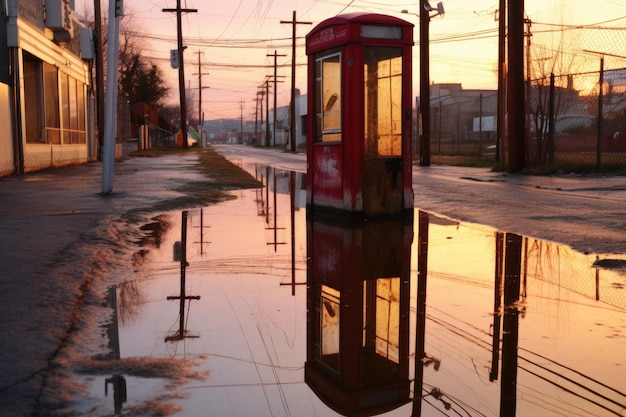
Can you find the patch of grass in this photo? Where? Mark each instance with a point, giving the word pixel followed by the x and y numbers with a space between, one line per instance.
pixel 156 152
pixel 582 168
pixel 222 176
pixel 574 168
pixel 223 173
pixel 464 160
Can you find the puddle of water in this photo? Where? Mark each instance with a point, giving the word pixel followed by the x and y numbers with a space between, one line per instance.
pixel 282 316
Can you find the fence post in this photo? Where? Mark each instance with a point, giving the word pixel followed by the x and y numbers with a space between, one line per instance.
pixel 600 100
pixel 550 143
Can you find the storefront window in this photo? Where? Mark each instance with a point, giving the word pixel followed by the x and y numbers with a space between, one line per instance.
pixel 51 103
pixel 32 99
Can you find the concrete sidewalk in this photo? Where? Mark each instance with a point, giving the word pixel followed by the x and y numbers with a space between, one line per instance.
pixel 61 241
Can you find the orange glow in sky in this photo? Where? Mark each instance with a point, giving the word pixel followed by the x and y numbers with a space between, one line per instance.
pixel 234 39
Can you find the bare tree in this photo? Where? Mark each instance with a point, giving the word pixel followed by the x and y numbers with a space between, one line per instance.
pixel 554 55
pixel 138 79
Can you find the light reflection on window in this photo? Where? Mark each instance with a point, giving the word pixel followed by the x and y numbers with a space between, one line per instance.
pixel 329 344
pixel 385 310
pixel 328 98
pixel 383 101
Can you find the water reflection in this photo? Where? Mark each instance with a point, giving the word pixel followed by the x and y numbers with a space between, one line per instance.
pixel 180 251
pixel 547 343
pixel 425 318
pixel 358 278
pixel 118 382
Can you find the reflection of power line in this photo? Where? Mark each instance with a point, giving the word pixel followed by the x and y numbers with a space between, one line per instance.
pixel 563 378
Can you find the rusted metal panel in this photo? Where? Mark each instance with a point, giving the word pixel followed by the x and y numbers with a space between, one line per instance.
pixel 383 191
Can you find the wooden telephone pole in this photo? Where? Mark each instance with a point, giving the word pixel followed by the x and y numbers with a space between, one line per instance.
pixel 181 69
pixel 200 113
pixel 292 103
pixel 275 55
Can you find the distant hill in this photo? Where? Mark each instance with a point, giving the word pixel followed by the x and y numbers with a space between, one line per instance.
pixel 228 125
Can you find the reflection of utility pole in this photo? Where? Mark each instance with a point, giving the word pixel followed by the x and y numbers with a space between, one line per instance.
pixel 202 227
pixel 181 69
pixel 292 194
pixel 510 330
pixel 275 227
pixel 267 194
pixel 182 333
pixel 119 391
pixel 422 273
pixel 292 103
pixel 260 202
pixel 275 55
pixel 497 306
pixel 113 328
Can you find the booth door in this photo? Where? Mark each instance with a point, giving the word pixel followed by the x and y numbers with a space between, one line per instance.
pixel 383 187
pixel 328 169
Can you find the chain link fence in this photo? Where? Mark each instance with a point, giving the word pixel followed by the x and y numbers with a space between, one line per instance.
pixel 575 103
pixel 561 268
pixel 578 119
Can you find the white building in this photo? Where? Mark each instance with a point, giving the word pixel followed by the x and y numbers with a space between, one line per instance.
pixel 45 105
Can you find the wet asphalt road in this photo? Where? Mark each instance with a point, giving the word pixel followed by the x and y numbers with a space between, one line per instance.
pixel 585 212
pixel 61 241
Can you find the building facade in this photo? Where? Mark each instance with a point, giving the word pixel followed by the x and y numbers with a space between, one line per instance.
pixel 45 97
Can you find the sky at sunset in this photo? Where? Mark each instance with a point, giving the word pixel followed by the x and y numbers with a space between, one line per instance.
pixel 234 38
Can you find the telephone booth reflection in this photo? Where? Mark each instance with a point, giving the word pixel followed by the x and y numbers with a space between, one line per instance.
pixel 358 314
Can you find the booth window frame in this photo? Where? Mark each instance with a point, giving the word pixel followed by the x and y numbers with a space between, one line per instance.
pixel 328 103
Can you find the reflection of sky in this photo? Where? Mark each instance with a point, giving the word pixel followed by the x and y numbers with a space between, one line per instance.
pixel 560 322
pixel 251 332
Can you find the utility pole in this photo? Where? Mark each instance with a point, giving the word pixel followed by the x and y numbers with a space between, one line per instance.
pixel 275 55
pixel 99 76
pixel 200 114
pixel 259 101
pixel 241 123
pixel 515 95
pixel 501 111
pixel 181 69
pixel 528 35
pixel 425 83
pixel 292 103
pixel 110 116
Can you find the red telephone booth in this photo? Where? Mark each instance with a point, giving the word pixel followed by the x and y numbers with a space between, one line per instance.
pixel 359 115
